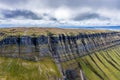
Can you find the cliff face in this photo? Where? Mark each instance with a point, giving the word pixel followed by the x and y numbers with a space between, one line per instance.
pixel 62 47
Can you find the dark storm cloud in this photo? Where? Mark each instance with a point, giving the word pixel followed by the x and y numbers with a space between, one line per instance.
pixel 87 16
pixel 25 14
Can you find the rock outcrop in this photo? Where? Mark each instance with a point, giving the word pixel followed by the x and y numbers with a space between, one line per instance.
pixel 62 47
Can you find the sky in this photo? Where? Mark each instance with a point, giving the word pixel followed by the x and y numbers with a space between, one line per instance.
pixel 52 13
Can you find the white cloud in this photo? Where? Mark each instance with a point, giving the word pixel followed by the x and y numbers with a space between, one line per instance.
pixel 62 13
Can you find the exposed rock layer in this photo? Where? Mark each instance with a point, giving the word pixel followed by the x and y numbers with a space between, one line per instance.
pixel 62 47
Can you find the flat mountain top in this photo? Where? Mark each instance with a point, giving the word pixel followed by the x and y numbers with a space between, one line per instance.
pixel 44 31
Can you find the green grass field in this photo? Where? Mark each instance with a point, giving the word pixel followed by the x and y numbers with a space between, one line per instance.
pixel 17 69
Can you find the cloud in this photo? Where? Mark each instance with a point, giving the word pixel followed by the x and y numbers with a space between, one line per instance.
pixel 14 2
pixel 73 4
pixel 20 14
pixel 82 3
pixel 67 12
pixel 53 19
pixel 89 15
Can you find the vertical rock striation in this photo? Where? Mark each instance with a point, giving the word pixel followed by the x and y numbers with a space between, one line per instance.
pixel 63 47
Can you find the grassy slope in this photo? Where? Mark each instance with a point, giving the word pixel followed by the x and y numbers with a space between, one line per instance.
pixel 17 69
pixel 103 65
